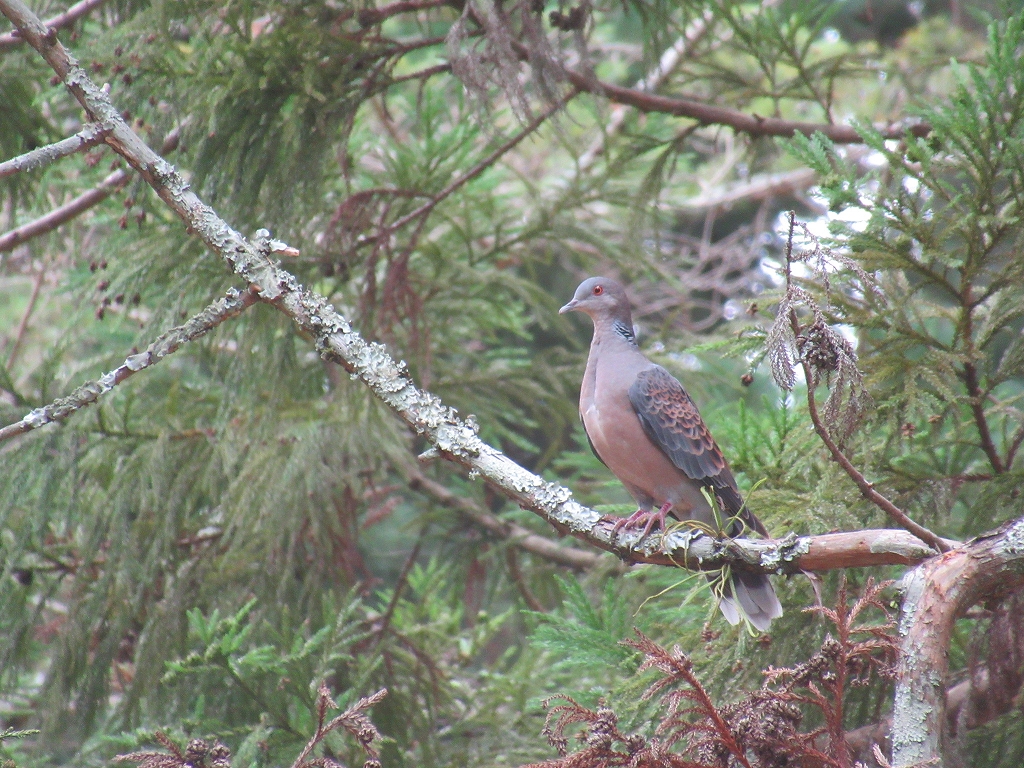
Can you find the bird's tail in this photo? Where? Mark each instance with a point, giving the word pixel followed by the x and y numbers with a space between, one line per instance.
pixel 750 595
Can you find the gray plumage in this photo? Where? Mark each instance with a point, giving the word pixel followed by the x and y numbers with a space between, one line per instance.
pixel 643 425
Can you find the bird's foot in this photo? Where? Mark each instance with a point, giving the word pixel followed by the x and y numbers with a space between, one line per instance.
pixel 645 517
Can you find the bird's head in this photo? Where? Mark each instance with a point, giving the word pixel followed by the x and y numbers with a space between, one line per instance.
pixel 601 298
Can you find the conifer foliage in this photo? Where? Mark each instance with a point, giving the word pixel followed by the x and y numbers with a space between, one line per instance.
pixel 216 376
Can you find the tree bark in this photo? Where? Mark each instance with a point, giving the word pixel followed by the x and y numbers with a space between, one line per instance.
pixel 937 593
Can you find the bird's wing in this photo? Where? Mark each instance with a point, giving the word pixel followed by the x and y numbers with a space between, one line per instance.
pixel 670 418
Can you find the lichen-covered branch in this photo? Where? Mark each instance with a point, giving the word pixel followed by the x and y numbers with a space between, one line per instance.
pixel 936 594
pixel 89 136
pixel 215 314
pixel 453 438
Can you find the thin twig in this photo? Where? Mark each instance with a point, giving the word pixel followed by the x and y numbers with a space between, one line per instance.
pixel 215 314
pixel 50 221
pixel 472 173
pixel 867 489
pixel 667 64
pixel 19 336
pixel 89 136
pixel 1015 444
pixel 70 16
pixel 984 434
pixel 422 74
pixel 400 585
pixel 516 574
pixel 506 531
pixel 370 16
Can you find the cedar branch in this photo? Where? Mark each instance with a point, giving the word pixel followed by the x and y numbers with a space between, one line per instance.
pixel 68 17
pixel 453 438
pixel 89 136
pixel 216 313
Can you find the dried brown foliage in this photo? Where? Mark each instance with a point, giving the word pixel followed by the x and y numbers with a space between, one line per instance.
pixel 200 754
pixel 197 754
pixel 760 731
pixel 353 720
pixel 802 334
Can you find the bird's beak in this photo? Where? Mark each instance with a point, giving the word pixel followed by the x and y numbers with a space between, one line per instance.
pixel 568 307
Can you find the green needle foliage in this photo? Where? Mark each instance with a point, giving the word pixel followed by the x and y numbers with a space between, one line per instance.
pixel 197 554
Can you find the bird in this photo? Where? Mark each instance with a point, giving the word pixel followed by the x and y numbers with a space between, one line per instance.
pixel 641 423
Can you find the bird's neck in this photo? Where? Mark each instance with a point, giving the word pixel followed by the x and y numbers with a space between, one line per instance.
pixel 613 330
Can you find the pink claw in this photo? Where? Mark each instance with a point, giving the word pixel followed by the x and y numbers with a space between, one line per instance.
pixel 646 517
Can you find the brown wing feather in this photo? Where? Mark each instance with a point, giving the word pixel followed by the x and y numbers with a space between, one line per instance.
pixel 670 418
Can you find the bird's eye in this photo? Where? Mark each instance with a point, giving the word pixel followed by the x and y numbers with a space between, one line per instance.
pixel 598 290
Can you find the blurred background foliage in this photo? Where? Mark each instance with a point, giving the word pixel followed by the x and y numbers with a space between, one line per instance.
pixel 218 535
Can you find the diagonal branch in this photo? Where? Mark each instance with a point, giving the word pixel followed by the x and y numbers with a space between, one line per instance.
pixel 68 17
pixel 709 114
pixel 866 488
pixel 90 136
pixel 230 306
pixel 473 172
pixel 517 535
pixel 977 399
pixel 19 335
pixel 65 213
pixel 452 437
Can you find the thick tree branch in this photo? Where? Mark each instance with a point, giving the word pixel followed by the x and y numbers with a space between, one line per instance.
pixel 215 314
pixel 70 16
pixel 936 594
pixel 90 136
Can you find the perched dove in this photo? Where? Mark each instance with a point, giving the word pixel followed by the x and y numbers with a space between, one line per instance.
pixel 646 429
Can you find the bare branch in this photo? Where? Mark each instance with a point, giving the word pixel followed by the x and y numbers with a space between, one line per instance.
pixel 50 221
pixel 708 114
pixel 90 136
pixel 70 16
pixel 475 171
pixel 937 594
pixel 978 410
pixel 215 314
pixel 867 489
pixel 761 187
pixel 19 335
pixel 452 437
pixel 521 537
pixel 787 310
pixel 668 62
pixel 370 16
